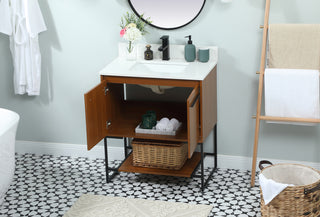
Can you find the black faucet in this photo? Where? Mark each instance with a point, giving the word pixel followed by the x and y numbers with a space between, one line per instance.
pixel 165 47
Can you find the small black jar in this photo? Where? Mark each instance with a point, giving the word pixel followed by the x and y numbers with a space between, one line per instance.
pixel 148 54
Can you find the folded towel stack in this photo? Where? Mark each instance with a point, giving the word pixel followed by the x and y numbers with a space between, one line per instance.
pixel 167 125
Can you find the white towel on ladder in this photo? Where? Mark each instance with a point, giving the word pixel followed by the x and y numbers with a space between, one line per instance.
pixel 292 93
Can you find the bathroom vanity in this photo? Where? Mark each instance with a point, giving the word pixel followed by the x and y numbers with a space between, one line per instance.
pixel 110 114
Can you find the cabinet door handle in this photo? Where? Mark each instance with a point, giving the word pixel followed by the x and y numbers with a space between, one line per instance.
pixel 106 89
pixel 108 124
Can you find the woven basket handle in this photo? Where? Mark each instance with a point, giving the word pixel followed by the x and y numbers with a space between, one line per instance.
pixel 264 162
pixel 308 191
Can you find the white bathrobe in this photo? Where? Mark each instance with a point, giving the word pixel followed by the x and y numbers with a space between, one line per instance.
pixel 22 21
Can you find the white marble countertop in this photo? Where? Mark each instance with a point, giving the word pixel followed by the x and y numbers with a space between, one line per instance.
pixel 191 70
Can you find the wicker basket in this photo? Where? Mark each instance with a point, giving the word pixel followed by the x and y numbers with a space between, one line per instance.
pixel 159 154
pixel 298 200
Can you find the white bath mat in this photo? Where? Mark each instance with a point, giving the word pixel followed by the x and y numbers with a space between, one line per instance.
pixel 103 206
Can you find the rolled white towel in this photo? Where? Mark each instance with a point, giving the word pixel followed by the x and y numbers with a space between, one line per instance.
pixel 175 123
pixel 164 120
pixel 169 127
pixel 172 125
pixel 162 124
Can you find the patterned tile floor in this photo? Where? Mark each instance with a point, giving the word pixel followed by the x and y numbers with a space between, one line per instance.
pixel 48 186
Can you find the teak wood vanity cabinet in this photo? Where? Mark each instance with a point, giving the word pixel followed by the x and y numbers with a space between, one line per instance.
pixel 109 114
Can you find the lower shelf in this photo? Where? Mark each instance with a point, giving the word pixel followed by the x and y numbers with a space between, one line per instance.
pixel 185 171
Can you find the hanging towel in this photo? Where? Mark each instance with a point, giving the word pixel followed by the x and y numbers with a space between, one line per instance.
pixel 270 189
pixel 26 23
pixel 292 93
pixel 294 46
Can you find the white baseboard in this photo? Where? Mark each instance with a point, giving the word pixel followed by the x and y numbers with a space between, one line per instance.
pixel 116 153
pixel 66 149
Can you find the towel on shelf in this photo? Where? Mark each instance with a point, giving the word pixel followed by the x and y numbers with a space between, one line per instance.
pixel 292 93
pixel 172 125
pixel 270 189
pixel 294 46
pixel 162 124
pixel 168 125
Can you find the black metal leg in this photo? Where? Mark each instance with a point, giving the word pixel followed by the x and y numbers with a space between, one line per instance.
pixel 215 152
pixel 111 169
pixel 204 182
pixel 125 147
pixel 106 159
pixel 202 167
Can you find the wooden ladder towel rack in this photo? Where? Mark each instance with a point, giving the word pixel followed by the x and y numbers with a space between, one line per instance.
pixel 258 116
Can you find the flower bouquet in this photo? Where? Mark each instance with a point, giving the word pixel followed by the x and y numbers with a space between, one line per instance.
pixel 132 29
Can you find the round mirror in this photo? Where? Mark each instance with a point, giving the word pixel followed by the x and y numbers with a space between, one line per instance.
pixel 168 14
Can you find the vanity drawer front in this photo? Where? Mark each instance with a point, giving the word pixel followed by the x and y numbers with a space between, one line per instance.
pixel 193 109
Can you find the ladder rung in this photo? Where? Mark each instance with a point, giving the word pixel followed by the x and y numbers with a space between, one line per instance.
pixel 258 73
pixel 285 119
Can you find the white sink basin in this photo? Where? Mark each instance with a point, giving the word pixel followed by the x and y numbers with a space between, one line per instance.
pixel 164 67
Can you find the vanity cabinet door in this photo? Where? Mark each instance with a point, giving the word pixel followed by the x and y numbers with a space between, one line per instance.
pixel 96 114
pixel 193 104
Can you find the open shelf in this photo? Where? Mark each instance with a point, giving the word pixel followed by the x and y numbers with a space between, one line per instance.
pixel 186 171
pixel 125 128
pixel 129 115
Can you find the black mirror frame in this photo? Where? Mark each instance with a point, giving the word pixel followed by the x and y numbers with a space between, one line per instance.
pixel 159 27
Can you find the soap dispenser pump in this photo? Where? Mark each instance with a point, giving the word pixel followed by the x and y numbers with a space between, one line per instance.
pixel 189 50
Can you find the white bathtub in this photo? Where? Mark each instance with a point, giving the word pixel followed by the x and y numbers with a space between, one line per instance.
pixel 8 127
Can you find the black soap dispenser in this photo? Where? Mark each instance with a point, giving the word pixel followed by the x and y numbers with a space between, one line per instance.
pixel 189 50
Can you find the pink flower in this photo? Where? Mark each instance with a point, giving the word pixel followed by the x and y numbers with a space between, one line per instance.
pixel 123 31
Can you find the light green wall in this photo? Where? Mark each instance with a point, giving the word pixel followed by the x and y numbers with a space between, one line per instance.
pixel 82 38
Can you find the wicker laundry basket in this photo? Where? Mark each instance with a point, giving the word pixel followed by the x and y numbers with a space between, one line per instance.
pixel 302 199
pixel 159 154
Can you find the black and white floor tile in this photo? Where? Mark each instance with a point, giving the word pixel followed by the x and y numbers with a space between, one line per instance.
pixel 48 186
